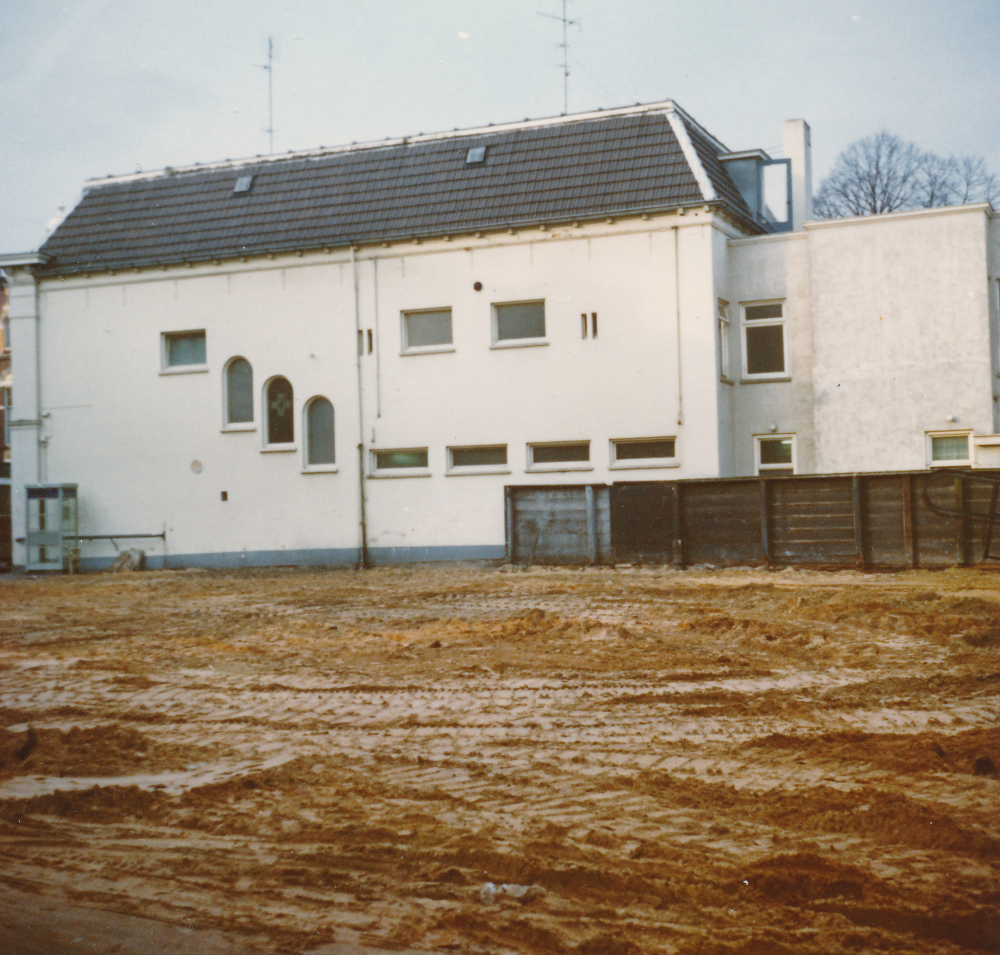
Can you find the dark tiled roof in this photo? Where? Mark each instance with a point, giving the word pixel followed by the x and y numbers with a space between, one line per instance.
pixel 621 165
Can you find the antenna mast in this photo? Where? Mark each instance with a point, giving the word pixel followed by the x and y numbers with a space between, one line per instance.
pixel 565 48
pixel 270 93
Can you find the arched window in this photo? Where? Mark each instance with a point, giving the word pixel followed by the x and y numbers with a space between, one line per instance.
pixel 239 391
pixel 280 411
pixel 319 432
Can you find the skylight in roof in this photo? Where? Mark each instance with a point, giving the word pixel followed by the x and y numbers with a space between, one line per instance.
pixel 243 184
pixel 475 154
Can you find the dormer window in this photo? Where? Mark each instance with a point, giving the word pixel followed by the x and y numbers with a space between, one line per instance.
pixel 475 154
pixel 242 184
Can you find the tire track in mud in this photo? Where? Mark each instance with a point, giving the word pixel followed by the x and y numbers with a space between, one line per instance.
pixel 685 762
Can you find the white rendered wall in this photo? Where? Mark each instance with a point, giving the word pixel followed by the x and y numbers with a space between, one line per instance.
pixel 901 335
pixel 128 434
pixel 765 269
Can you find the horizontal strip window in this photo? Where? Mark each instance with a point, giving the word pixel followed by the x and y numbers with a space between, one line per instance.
pixel 480 459
pixel 644 452
pixel 400 462
pixel 559 457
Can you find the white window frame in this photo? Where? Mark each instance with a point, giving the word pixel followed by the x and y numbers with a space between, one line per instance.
pixel 628 463
pixel 237 426
pixel 377 473
pixel 952 462
pixel 762 469
pixel 453 469
pixel 497 342
pixel 587 465
pixel 722 314
pixel 407 349
pixel 308 468
pixel 168 369
pixel 786 373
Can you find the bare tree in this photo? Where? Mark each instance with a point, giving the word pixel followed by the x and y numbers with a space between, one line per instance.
pixel 883 173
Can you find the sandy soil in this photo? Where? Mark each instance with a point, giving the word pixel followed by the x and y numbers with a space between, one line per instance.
pixel 705 761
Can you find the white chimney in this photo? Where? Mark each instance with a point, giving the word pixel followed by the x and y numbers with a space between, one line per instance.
pixel 795 140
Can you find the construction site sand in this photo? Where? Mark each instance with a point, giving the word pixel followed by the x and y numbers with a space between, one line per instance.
pixel 703 761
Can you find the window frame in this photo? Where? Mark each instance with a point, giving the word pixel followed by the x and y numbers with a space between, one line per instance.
pixel 497 342
pixel 166 337
pixel 950 462
pixel 725 329
pixel 405 348
pixel 531 466
pixel 456 470
pixel 307 467
pixel 377 473
pixel 237 426
pixel 762 470
pixel 786 372
pixel 627 463
pixel 267 447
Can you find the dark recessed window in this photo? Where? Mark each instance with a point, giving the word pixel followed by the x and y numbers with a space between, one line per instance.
pixel 764 340
pixel 475 154
pixel 403 459
pixel 280 416
pixel 644 449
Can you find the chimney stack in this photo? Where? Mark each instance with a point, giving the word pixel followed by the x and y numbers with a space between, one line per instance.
pixel 795 140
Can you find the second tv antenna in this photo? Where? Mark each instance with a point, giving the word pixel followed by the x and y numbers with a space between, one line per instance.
pixel 565 48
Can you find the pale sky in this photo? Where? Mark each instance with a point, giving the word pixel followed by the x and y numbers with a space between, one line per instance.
pixel 92 87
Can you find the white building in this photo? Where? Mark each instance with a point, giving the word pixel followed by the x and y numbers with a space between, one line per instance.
pixel 290 359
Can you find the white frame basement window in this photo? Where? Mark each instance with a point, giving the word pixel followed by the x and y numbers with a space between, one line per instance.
pixel 559 456
pixel 478 459
pixel 944 449
pixel 400 462
pixel 644 453
pixel 774 454
pixel 425 331
pixel 765 353
pixel 519 324
pixel 182 353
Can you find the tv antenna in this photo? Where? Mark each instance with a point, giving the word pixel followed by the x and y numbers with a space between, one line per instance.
pixel 565 48
pixel 270 93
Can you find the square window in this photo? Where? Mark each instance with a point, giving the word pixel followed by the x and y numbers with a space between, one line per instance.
pixel 184 350
pixel 764 340
pixel 482 459
pixel 400 462
pixel 519 322
pixel 643 452
pixel 427 330
pixel 475 154
pixel 949 449
pixel 559 457
pixel 775 454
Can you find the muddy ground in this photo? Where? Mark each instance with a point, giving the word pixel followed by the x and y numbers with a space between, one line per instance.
pixel 699 761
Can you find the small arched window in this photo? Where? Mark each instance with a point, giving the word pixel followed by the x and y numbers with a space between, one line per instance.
pixel 319 432
pixel 279 411
pixel 239 391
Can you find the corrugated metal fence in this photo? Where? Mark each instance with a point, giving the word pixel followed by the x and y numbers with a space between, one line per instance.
pixel 864 520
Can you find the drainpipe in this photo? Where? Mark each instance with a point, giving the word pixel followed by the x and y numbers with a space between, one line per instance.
pixel 677 308
pixel 363 559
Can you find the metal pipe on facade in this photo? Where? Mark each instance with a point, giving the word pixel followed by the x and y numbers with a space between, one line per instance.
pixel 677 311
pixel 363 559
